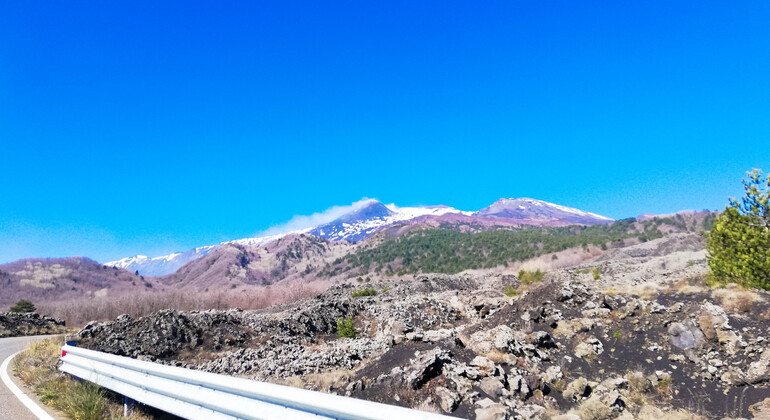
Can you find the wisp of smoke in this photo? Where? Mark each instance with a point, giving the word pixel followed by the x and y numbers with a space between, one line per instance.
pixel 303 222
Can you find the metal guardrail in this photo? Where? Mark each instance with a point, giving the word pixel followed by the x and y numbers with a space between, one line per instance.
pixel 196 394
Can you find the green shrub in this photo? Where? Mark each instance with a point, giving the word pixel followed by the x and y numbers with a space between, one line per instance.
pixel 84 401
pixel 364 292
pixel 345 328
pixel 596 273
pixel 23 306
pixel 510 291
pixel 529 277
pixel 739 244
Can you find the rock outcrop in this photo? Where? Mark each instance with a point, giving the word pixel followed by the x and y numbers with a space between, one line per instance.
pixel 457 345
pixel 15 324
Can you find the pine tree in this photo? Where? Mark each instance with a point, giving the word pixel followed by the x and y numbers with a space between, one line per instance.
pixel 739 244
pixel 23 306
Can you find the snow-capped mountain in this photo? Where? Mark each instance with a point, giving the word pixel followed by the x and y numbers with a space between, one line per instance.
pixel 363 222
pixel 167 264
pixel 359 223
pixel 368 217
pixel 528 208
pixel 160 265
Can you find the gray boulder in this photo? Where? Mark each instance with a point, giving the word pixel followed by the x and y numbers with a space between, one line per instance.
pixel 685 335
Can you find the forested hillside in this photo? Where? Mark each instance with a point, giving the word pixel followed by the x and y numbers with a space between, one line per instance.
pixel 451 251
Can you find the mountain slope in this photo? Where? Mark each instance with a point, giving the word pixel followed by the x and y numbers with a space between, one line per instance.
pixel 363 222
pixel 297 261
pixel 161 265
pixel 232 265
pixel 167 264
pixel 43 279
pixel 369 217
pixel 432 250
pixel 531 209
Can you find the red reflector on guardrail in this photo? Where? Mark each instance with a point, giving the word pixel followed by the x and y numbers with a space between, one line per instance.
pixel 63 353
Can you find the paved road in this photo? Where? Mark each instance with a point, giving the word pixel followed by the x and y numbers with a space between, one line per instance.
pixel 10 406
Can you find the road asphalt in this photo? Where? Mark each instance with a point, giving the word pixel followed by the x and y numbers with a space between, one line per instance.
pixel 10 405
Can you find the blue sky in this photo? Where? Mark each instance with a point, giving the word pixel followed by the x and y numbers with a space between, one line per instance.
pixel 146 127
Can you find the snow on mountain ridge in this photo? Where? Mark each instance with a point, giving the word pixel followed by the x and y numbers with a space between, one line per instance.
pixel 348 230
pixel 366 217
pixel 167 264
pixel 353 228
pixel 574 211
pixel 513 208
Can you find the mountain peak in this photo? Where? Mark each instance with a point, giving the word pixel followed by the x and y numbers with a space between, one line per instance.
pixel 356 224
pixel 529 208
pixel 369 216
pixel 368 210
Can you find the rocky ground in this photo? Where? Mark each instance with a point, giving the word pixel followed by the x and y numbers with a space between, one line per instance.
pixel 633 334
pixel 15 324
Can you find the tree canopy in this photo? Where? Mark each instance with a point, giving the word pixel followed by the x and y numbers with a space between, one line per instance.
pixel 739 244
pixel 23 306
pixel 449 251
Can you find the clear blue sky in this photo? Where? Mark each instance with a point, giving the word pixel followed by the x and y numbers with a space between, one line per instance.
pixel 149 127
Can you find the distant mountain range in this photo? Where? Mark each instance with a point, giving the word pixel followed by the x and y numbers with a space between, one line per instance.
pixel 371 216
pixel 391 241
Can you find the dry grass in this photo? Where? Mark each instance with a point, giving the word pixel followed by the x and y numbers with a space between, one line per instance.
pixel 327 381
pixel 689 286
pixel 665 388
pixel 563 330
pixel 654 413
pixel 82 311
pixel 638 382
pixel 294 382
pixel 735 299
pixel 637 398
pixel 568 258
pixel 692 289
pixel 498 356
pixel 646 291
pixel 594 409
pixel 559 385
pixel 37 369
pixel 323 381
pixel 38 363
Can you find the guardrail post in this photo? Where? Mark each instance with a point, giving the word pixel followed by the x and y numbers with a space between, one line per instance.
pixel 128 406
pixel 71 343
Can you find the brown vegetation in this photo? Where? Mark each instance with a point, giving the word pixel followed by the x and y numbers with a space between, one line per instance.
pixel 81 311
pixel 736 299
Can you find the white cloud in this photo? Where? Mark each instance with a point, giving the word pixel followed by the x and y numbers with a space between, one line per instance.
pixel 302 222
